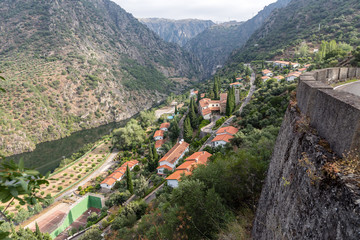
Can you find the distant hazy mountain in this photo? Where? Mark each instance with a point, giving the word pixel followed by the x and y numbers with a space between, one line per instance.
pixel 177 31
pixel 71 65
pixel 214 45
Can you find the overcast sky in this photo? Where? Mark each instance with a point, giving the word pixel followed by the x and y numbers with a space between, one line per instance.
pixel 216 10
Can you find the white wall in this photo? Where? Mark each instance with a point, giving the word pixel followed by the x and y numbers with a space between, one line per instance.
pixel 173 183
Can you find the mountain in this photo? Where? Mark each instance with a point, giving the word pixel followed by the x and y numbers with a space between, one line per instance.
pixel 177 31
pixel 304 20
pixel 214 45
pixel 71 65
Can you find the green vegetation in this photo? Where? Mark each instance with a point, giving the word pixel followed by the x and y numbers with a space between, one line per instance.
pixel 129 183
pixel 129 136
pixel 230 103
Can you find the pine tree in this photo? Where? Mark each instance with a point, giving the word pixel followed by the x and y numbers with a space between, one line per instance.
pixel 188 131
pixel 129 182
pixel 176 110
pixel 151 157
pixel 174 130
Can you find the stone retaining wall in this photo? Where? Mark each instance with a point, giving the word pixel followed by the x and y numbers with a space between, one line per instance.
pixel 335 114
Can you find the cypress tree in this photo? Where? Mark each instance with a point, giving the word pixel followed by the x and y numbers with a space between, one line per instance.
pixel 129 182
pixel 188 131
pixel 155 154
pixel 216 88
pixel 38 232
pixel 230 102
pixel 198 98
pixel 193 116
pixel 176 110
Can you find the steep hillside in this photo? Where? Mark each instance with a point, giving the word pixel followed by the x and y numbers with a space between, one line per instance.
pixel 309 20
pixel 177 31
pixel 214 45
pixel 71 65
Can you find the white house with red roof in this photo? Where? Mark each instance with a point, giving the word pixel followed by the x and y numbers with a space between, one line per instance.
pixel 187 167
pixel 267 72
pixel 165 126
pixel 172 157
pixel 292 76
pixel 158 145
pixel 235 84
pixel 159 135
pixel 223 136
pixel 118 174
pixel 208 106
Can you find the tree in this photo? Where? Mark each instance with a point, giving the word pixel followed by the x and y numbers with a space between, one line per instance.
pixel 258 82
pixel 216 89
pixel 2 78
pixel 230 102
pixel 93 233
pixel 198 98
pixel 188 131
pixel 174 130
pixel 129 136
pixel 193 117
pixel 38 233
pixel 176 110
pixel 141 186
pixel 147 118
pixel 155 154
pixel 129 183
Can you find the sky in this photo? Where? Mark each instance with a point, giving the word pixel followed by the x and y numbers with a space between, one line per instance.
pixel 216 10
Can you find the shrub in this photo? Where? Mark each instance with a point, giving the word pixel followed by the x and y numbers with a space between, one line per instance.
pixel 60 188
pixel 79 176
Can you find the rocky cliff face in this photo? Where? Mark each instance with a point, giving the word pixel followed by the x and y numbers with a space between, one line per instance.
pixel 71 65
pixel 177 31
pixel 214 45
pixel 301 199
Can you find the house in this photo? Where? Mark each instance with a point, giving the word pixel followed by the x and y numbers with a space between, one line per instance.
pixel 227 130
pixel 292 76
pixel 235 85
pixel 279 77
pixel 158 144
pixel 265 78
pixel 238 79
pixel 187 167
pixel 208 106
pixel 193 93
pixel 165 126
pixel 159 135
pixel 267 72
pixel 118 174
pixel 221 140
pixel 172 157
pixel 199 157
pixel 302 70
pixel 174 178
pixel 202 95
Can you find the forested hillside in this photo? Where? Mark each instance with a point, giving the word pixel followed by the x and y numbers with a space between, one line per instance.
pixel 214 45
pixel 309 21
pixel 177 31
pixel 71 65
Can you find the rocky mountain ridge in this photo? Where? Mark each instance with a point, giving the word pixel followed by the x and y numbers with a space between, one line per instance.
pixel 71 65
pixel 214 45
pixel 177 31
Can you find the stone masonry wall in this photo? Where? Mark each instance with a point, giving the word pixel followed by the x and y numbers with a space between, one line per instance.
pixel 334 114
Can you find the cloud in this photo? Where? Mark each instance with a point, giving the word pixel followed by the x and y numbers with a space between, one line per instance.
pixel 216 10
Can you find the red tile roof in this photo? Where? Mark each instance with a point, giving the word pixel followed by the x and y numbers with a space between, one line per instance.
pixel 265 78
pixel 174 153
pixel 279 77
pixel 159 133
pixel 214 108
pixel 202 95
pixel 177 175
pixel 266 71
pixel 204 102
pixel 108 181
pixel 165 166
pixel 206 111
pixel 199 157
pixel 235 83
pixel 159 143
pixel 121 169
pixel 228 130
pixel 187 165
pixel 130 163
pixel 165 125
pixel 116 175
pixel 224 137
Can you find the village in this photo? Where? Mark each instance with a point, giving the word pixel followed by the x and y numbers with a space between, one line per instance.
pixel 179 138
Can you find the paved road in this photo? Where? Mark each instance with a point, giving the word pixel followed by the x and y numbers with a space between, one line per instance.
pixel 353 88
